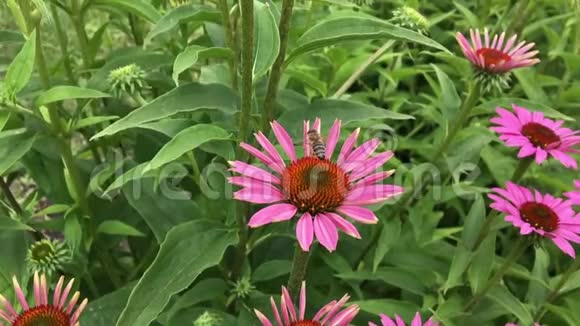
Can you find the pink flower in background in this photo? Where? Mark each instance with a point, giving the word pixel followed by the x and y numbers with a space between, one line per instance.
pixel 493 55
pixel 322 191
pixel 536 135
pixel 545 215
pixel 575 194
pixel 329 315
pixel 57 312
pixel 386 321
pixel 512 324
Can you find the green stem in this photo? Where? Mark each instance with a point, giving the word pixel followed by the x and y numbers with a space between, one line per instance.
pixel 247 12
pixel 278 66
pixel 233 63
pixel 77 20
pixel 195 167
pixel 298 273
pixel 518 249
pixel 555 293
pixel 10 197
pixel 136 30
pixel 139 99
pixel 458 124
pixel 63 43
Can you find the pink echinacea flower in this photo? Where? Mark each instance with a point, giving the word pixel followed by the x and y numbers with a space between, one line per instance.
pixel 398 321
pixel 574 195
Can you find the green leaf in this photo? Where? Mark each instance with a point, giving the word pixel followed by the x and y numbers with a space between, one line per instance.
pixel 397 277
pixel 182 14
pixel 204 290
pixel 469 15
pixel 482 264
pixel 335 30
pixel 175 268
pixel 185 98
pixel 502 296
pixel 61 93
pixel 449 98
pixel 20 70
pixel 73 232
pixel 473 222
pixel 271 269
pixel 186 141
pixel 90 121
pixel 461 260
pixel 390 235
pixel 7 36
pixel 118 228
pixel 105 310
pixel 192 54
pixel 10 154
pixel 537 291
pixel 53 209
pixel 267 39
pixel 134 173
pixel 159 210
pixel 168 127
pixel 12 260
pixel 4 117
pixel 140 8
pixel 7 223
pixel 388 307
pixel 330 109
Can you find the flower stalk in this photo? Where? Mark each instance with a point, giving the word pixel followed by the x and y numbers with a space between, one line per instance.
pixel 230 43
pixel 299 267
pixel 278 66
pixel 518 249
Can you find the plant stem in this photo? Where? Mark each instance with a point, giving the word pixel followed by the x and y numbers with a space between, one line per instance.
pixel 361 69
pixel 233 63
pixel 195 167
pixel 247 11
pixel 278 66
pixel 139 98
pixel 555 293
pixel 136 30
pixel 458 124
pixel 10 197
pixel 63 43
pixel 518 249
pixel 77 20
pixel 298 273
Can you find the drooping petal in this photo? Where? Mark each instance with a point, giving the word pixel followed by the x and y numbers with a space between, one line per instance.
pixel 305 231
pixel 344 225
pixel 325 232
pixel 358 213
pixel 271 214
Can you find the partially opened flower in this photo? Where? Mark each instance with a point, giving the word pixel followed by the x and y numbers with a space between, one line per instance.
pixel 493 58
pixel 321 190
pixel 536 135
pixel 574 195
pixel 56 312
pixel 533 212
pixel 493 55
pixel 329 315
pixel 398 321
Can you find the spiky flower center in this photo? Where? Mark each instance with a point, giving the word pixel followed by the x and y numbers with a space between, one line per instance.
pixel 314 185
pixel 540 135
pixel 539 216
pixel 44 315
pixel 492 57
pixel 42 251
pixel 305 323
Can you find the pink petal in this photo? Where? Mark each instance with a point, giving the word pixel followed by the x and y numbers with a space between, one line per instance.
pixel 19 294
pixel 565 246
pixel 417 320
pixel 262 318
pixel 271 214
pixel 267 160
pixel 343 225
pixel 347 146
pixel 371 164
pixel 362 152
pixel 305 231
pixel 252 171
pixel 374 178
pixel 360 214
pixel 305 144
pixel 332 138
pixel 289 304
pixel 269 148
pixel 264 195
pixel 284 139
pixel 302 303
pixel 325 232
pixel 373 194
pixel 275 310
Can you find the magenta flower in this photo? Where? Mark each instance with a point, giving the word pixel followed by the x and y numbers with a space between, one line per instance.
pixel 536 135
pixel 321 190
pixel 512 324
pixel 43 312
pixel 497 56
pixel 545 215
pixel 329 315
pixel 574 195
pixel 398 321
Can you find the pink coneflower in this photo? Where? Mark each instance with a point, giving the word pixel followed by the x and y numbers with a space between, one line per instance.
pixel 545 215
pixel 493 55
pixel 574 196
pixel 536 135
pixel 59 312
pixel 398 321
pixel 329 315
pixel 512 324
pixel 321 190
